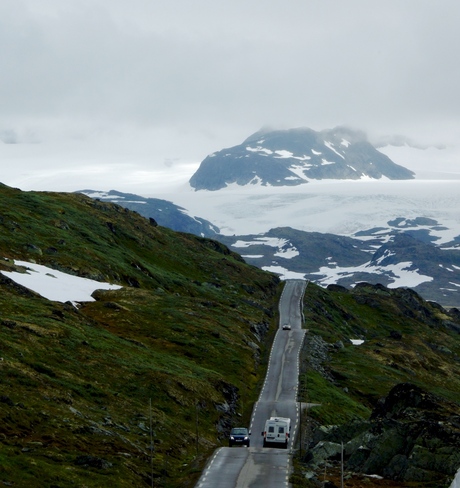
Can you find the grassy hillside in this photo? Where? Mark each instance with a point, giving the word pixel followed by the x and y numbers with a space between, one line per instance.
pixel 406 339
pixel 409 344
pixel 144 382
pixel 177 354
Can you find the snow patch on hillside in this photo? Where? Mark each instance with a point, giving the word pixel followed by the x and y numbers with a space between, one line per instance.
pixel 332 148
pixel 400 273
pixel 284 273
pixel 285 249
pixel 456 481
pixel 56 285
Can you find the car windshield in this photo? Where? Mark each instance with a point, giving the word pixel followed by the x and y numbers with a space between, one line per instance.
pixel 239 431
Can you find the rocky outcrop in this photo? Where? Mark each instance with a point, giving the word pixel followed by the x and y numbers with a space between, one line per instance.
pixel 228 409
pixel 316 351
pixel 411 436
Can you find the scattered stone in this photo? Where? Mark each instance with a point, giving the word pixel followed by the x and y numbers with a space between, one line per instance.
pixel 92 462
pixel 76 412
pixel 7 400
pixel 11 324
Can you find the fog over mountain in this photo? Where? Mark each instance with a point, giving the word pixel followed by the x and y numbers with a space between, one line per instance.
pixel 152 88
pixel 295 156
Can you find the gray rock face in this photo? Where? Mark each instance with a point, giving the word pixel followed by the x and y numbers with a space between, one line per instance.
pixel 412 436
pixel 374 259
pixel 158 211
pixel 292 157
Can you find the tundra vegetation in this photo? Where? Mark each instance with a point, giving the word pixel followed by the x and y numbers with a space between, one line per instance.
pixel 392 400
pixel 139 386
pixel 187 334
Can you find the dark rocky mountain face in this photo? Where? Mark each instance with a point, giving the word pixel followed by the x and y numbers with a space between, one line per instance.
pixel 406 258
pixel 292 157
pixel 163 212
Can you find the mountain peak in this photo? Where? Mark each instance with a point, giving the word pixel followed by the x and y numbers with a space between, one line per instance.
pixel 292 157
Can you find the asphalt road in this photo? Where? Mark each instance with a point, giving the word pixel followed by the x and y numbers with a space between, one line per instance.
pixel 256 466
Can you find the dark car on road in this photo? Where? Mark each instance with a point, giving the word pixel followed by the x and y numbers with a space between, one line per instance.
pixel 239 436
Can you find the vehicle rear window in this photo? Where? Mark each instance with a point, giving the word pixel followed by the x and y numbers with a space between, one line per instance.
pixel 281 430
pixel 271 428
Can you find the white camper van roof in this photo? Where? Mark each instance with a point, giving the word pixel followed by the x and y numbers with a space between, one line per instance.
pixel 282 419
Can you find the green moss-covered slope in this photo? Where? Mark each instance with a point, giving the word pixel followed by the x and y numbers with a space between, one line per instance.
pixel 176 355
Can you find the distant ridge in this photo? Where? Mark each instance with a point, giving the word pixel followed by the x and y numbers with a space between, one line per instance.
pixel 420 253
pixel 163 212
pixel 295 156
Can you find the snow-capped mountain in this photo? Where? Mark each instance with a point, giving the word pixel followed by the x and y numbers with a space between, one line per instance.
pixel 295 156
pixel 335 231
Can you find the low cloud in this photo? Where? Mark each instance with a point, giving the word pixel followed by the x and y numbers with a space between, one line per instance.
pixel 168 81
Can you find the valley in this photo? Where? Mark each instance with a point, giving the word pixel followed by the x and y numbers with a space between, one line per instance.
pixel 189 332
pixel 331 232
pixel 142 382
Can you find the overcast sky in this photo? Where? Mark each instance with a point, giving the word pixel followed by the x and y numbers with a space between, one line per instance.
pixel 92 87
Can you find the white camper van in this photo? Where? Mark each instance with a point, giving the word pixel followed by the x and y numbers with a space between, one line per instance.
pixel 277 432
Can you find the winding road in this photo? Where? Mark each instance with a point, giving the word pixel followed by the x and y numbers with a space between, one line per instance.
pixel 257 466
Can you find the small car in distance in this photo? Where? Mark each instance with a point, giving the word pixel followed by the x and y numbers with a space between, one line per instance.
pixel 239 436
pixel 287 327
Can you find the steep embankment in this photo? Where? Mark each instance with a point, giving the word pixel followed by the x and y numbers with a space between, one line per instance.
pixel 186 333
